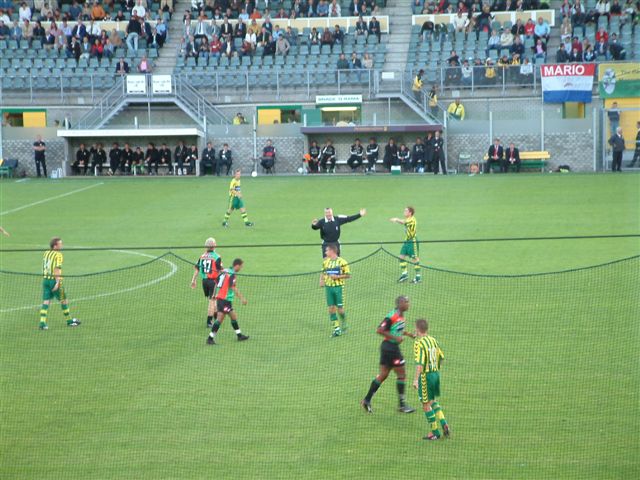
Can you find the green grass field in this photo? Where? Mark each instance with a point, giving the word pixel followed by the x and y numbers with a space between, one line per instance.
pixel 541 378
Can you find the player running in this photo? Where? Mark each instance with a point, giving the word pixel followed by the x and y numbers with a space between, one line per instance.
pixel 392 329
pixel 410 249
pixel 335 270
pixel 429 356
pixel 52 284
pixel 235 201
pixel 4 232
pixel 226 292
pixel 208 267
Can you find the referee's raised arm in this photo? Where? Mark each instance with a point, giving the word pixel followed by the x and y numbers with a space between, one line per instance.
pixel 342 219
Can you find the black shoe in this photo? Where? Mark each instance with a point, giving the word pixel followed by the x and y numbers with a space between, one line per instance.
pixel 210 341
pixel 367 406
pixel 248 224
pixel 446 430
pixel 242 337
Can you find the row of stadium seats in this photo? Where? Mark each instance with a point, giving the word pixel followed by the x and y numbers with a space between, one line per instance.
pixel 437 50
pixel 287 5
pixel 65 8
pixel 269 80
pixel 260 62
pixel 45 82
pixel 68 63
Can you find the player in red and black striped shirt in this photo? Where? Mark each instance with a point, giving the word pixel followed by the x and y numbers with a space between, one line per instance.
pixel 227 291
pixel 208 266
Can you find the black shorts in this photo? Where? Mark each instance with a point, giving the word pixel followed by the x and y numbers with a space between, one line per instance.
pixel 209 287
pixel 224 306
pixel 390 355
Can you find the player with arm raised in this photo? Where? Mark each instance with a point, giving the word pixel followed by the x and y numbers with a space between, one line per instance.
pixel 392 329
pixel 227 291
pixel 410 249
pixel 52 286
pixel 235 201
pixel 429 357
pixel 329 227
pixel 208 267
pixel 335 271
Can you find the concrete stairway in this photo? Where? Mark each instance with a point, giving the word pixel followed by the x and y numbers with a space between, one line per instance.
pixel 166 61
pixel 399 12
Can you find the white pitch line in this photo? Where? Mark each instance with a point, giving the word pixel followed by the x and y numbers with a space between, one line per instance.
pixel 174 269
pixel 7 212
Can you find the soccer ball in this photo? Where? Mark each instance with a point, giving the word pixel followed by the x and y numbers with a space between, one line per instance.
pixel 254 174
pixel 300 170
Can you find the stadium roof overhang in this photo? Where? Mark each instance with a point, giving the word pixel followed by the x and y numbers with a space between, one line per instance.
pixel 132 132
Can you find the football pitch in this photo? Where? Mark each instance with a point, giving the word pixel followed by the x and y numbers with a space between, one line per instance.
pixel 541 377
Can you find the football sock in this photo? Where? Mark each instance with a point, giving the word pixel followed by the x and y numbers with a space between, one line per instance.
pixel 245 217
pixel 226 216
pixel 216 327
pixel 403 266
pixel 375 385
pixel 334 320
pixel 44 310
pixel 343 318
pixel 417 268
pixel 236 327
pixel 437 409
pixel 209 319
pixel 400 387
pixel 65 312
pixel 431 418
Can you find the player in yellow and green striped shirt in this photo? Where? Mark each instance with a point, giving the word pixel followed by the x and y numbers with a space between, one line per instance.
pixel 236 202
pixel 429 357
pixel 335 270
pixel 410 248
pixel 52 286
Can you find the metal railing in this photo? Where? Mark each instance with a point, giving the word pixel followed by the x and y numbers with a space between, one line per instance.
pixel 497 79
pixel 106 105
pixel 275 83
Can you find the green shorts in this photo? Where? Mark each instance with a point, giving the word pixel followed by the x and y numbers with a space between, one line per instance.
pixel 334 296
pixel 48 293
pixel 428 386
pixel 236 203
pixel 410 248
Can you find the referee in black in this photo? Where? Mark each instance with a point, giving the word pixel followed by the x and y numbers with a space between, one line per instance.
pixel 329 227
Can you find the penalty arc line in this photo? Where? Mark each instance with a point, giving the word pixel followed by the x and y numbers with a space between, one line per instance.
pixel 45 200
pixel 174 269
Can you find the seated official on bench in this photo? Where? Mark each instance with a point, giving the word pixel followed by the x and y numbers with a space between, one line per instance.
pixel 517 160
pixel 268 161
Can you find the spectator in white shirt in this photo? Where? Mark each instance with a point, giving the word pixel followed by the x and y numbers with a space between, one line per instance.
pixel 460 22
pixel 24 12
pixel 139 9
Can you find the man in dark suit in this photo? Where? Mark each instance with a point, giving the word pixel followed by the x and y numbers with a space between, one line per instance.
pixel 636 153
pixel 180 156
pixel 512 158
pixel 374 28
pixel 208 159
pixel 79 31
pixel 495 156
pixel 225 159
pixel 617 146
pixel 122 68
